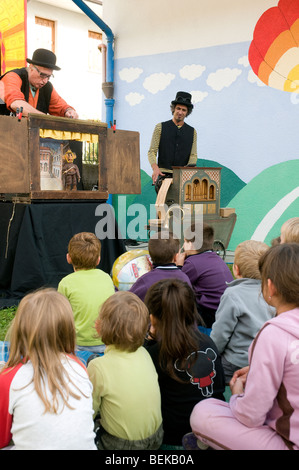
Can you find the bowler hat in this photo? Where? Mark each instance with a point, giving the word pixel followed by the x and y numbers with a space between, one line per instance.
pixel 44 58
pixel 184 98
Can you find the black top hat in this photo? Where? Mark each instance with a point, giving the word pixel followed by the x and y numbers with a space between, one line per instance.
pixel 183 98
pixel 44 58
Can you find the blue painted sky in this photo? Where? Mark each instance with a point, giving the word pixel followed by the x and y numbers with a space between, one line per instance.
pixel 240 124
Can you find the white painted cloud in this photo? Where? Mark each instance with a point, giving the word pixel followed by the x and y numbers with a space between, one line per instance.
pixel 198 96
pixel 244 61
pixel 134 98
pixel 157 82
pixel 130 74
pixel 191 72
pixel 252 78
pixel 223 78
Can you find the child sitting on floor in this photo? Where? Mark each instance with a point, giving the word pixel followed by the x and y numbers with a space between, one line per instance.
pixel 187 361
pixel 163 248
pixel 86 289
pixel 263 411
pixel 242 310
pixel 46 395
pixel 126 392
pixel 207 272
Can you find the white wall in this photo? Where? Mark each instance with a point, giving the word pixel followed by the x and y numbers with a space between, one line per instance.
pixel 144 27
pixel 79 87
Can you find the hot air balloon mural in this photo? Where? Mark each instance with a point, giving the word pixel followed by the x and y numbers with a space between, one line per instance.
pixel 274 51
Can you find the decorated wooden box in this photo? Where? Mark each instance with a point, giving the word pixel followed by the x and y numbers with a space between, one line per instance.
pixel 46 157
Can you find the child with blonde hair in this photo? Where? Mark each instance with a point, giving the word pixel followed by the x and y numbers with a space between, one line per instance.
pixel 86 289
pixel 242 310
pixel 290 231
pixel 46 395
pixel 126 392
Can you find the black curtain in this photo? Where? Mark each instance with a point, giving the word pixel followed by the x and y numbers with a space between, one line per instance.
pixel 34 239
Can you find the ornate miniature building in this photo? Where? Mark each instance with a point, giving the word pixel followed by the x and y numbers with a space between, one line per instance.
pixel 195 190
pixel 196 186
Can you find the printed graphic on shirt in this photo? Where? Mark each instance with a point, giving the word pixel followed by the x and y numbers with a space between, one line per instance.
pixel 202 371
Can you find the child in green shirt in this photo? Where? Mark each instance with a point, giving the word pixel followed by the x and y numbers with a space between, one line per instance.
pixel 86 289
pixel 126 391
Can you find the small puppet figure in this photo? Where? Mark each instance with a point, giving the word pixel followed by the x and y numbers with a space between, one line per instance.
pixel 70 172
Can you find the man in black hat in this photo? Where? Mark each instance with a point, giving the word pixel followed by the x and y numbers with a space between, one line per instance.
pixel 30 88
pixel 174 141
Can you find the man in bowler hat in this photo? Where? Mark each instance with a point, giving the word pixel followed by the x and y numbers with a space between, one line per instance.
pixel 173 140
pixel 30 88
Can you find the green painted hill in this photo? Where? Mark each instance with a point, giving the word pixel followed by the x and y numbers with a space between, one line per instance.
pixel 265 203
pixel 231 184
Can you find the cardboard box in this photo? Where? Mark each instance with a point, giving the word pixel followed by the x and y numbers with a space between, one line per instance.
pixel 226 211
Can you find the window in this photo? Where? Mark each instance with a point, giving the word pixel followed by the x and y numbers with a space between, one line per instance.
pixel 94 54
pixel 204 194
pixel 212 192
pixel 188 192
pixel 45 33
pixel 196 190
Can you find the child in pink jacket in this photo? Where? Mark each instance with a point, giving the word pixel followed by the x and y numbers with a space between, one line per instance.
pixel 263 411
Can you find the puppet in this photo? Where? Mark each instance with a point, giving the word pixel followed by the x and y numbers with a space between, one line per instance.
pixel 70 172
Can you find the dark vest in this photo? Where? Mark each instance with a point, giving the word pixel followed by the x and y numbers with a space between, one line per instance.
pixel 44 92
pixel 175 145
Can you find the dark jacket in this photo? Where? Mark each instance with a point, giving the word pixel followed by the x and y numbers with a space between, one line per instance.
pixel 175 145
pixel 200 380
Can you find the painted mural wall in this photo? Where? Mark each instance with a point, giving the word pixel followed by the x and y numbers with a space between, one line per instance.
pixel 244 126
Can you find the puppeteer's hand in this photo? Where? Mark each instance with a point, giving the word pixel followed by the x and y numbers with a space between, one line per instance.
pixel 156 172
pixel 71 113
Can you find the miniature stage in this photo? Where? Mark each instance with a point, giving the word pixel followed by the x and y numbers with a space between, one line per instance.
pixel 44 202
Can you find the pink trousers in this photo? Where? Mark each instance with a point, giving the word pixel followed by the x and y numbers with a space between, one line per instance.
pixel 213 423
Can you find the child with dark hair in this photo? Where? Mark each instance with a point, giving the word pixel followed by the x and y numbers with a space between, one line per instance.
pixel 126 392
pixel 207 271
pixel 163 248
pixel 187 362
pixel 263 412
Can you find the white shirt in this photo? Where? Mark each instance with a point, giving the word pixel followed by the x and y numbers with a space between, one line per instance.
pixel 69 429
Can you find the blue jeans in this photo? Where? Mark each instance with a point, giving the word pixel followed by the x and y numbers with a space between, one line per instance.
pixel 93 349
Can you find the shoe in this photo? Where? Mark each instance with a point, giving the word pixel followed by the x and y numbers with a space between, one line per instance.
pixel 190 442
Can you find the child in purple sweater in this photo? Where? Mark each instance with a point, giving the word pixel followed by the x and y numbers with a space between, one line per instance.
pixel 163 248
pixel 207 272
